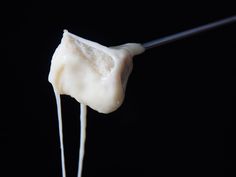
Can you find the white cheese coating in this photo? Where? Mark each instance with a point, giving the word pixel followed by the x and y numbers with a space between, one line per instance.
pixel 93 74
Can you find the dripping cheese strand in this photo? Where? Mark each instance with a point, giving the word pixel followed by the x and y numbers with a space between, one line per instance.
pixel 83 120
pixel 59 115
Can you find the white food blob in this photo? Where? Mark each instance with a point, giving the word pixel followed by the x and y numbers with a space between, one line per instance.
pixel 94 75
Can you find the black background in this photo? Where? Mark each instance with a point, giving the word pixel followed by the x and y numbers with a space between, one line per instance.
pixel 177 115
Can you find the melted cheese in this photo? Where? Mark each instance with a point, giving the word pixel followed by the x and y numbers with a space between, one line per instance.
pixel 94 75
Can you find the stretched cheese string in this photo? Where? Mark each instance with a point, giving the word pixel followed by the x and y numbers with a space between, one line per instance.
pixel 59 115
pixel 83 122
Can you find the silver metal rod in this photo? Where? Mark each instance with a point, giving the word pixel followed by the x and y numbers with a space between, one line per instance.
pixel 187 33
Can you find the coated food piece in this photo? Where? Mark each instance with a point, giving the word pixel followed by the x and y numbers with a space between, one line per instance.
pixel 93 74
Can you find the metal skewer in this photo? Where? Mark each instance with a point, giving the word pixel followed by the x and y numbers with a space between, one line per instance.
pixel 187 33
